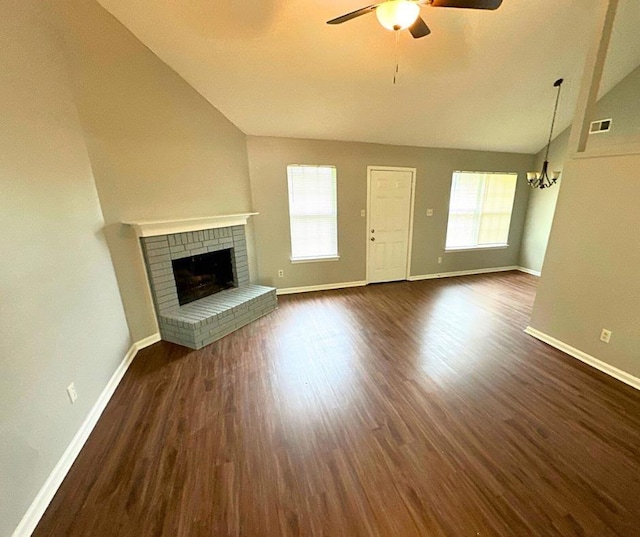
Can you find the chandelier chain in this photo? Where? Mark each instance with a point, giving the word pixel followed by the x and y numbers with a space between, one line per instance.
pixel 553 121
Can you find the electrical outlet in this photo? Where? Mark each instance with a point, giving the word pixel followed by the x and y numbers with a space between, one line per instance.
pixel 72 393
pixel 605 335
pixel 429 212
pixel 362 212
pixel 439 260
pixel 280 273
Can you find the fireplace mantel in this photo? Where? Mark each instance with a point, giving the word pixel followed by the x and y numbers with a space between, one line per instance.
pixel 152 228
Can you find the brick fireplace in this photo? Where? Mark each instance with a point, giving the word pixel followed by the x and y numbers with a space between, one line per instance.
pixel 174 246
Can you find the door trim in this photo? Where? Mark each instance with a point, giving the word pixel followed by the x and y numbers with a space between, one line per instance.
pixel 411 213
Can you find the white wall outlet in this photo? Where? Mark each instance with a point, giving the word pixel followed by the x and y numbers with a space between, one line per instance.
pixel 605 335
pixel 363 212
pixel 429 212
pixel 439 260
pixel 72 393
pixel 280 273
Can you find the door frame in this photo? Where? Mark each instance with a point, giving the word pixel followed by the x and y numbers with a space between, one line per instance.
pixel 413 171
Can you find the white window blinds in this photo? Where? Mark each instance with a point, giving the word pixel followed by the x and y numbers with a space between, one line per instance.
pixel 313 212
pixel 480 209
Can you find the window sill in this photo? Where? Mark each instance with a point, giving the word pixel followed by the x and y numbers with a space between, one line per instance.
pixel 477 248
pixel 297 260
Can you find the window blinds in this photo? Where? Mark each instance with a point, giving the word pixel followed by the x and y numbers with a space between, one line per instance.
pixel 480 209
pixel 313 211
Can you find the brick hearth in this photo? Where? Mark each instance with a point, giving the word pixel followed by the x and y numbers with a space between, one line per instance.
pixel 208 319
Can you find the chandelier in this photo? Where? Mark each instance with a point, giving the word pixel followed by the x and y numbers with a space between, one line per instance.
pixel 542 179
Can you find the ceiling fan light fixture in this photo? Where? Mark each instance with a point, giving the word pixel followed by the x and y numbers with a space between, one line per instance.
pixel 397 14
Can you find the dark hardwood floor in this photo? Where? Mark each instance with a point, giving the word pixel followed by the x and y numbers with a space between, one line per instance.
pixel 403 409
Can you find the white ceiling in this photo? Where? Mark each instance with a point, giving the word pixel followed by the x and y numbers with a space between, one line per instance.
pixel 481 80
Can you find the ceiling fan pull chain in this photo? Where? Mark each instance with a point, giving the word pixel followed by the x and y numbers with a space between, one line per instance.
pixel 395 74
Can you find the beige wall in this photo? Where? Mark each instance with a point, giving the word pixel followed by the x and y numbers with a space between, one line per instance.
pixel 158 149
pixel 61 318
pixel 542 206
pixel 268 160
pixel 590 278
pixel 621 104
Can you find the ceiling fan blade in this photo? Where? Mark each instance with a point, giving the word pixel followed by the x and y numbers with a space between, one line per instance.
pixel 419 29
pixel 353 14
pixel 467 4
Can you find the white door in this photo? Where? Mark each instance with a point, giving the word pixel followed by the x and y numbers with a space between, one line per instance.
pixel 390 216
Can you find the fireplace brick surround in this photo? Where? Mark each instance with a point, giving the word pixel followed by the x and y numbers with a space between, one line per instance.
pixel 208 319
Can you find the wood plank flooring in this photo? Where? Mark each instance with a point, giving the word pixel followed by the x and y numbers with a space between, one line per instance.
pixel 403 409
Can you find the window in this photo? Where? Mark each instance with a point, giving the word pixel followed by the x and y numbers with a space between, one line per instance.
pixel 480 209
pixel 313 212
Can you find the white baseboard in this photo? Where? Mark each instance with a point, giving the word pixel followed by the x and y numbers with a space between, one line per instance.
pixel 147 341
pixel 344 285
pixel 610 370
pixel 47 492
pixel 460 273
pixel 324 287
pixel 529 271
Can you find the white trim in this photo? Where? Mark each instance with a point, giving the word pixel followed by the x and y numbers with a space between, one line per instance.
pixel 298 260
pixel 323 287
pixel 414 175
pixel 460 273
pixel 152 228
pixel 529 271
pixel 148 341
pixel 477 248
pixel 366 249
pixel 612 150
pixel 42 500
pixel 610 370
pixel 414 180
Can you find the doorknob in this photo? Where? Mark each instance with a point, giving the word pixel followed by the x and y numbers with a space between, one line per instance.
pixel 373 238
pixel 373 231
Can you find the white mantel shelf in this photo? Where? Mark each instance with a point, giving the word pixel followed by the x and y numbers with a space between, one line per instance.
pixel 152 228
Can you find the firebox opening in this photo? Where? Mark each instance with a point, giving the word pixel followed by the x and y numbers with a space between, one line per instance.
pixel 203 275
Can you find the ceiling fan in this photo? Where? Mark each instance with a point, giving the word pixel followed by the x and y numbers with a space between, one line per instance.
pixel 401 14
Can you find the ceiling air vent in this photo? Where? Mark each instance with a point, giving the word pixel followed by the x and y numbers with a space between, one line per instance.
pixel 602 125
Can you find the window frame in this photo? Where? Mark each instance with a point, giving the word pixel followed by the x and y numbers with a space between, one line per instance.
pixel 478 212
pixel 316 257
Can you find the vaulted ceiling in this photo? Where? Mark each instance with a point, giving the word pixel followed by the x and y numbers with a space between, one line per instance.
pixel 481 80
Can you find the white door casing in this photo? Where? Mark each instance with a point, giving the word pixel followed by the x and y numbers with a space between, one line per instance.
pixel 390 195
